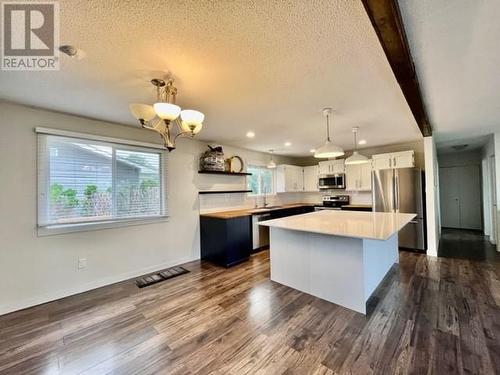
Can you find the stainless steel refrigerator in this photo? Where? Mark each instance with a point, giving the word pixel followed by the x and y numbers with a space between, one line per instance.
pixel 402 190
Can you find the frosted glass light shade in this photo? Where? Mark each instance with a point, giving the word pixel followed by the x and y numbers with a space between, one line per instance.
pixel 190 116
pixel 271 164
pixel 167 111
pixel 142 111
pixel 186 127
pixel 328 150
pixel 356 158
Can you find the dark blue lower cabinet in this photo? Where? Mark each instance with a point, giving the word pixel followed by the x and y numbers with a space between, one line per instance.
pixel 226 241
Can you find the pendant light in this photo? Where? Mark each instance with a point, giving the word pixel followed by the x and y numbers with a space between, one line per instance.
pixel 356 157
pixel 328 150
pixel 271 164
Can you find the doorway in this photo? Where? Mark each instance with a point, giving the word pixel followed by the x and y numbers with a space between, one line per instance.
pixel 461 197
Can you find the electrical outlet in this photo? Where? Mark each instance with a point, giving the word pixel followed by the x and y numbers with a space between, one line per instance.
pixel 82 263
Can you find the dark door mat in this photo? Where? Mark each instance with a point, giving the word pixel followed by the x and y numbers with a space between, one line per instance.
pixel 160 276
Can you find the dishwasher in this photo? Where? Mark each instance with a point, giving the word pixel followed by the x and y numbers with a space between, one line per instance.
pixel 260 234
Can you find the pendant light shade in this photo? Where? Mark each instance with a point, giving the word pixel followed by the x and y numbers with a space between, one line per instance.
pixel 328 150
pixel 167 111
pixel 271 164
pixel 356 157
pixel 142 111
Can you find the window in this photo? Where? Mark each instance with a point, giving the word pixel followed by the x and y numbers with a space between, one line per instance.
pixel 84 181
pixel 261 181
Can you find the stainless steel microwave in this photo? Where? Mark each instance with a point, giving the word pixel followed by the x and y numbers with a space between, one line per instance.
pixel 332 181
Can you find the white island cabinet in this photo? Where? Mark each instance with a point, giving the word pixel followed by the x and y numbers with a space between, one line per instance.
pixel 339 256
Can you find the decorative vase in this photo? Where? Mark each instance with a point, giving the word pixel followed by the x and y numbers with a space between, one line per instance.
pixel 212 160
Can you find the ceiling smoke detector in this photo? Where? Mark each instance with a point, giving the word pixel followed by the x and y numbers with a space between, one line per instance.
pixel 459 147
pixel 72 51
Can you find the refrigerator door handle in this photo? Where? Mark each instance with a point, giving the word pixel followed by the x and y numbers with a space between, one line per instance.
pixel 396 192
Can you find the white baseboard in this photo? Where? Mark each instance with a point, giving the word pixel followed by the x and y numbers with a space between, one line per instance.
pixel 52 296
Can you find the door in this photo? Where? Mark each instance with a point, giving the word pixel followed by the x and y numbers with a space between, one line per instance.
pixel 403 160
pixel 324 167
pixel 470 197
pixel 382 162
pixel 352 174
pixel 338 166
pixel 365 176
pixel 409 188
pixel 493 188
pixel 449 197
pixel 383 190
pixel 299 178
pixel 460 195
pixel 311 178
pixel 412 235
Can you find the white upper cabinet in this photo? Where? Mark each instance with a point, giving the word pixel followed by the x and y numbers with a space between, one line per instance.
pixel 311 175
pixel 331 166
pixel 403 159
pixel 358 177
pixel 289 178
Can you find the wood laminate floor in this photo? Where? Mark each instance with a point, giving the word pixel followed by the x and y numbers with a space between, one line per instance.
pixel 433 316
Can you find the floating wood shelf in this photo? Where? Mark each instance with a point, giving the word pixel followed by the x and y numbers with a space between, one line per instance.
pixel 226 173
pixel 224 191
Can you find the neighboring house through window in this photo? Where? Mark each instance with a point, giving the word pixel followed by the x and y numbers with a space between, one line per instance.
pixel 261 181
pixel 87 181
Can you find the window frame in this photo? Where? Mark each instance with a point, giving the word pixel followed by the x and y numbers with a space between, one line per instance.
pixel 43 176
pixel 273 182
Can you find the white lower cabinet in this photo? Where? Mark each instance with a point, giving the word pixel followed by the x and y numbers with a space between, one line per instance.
pixel 358 177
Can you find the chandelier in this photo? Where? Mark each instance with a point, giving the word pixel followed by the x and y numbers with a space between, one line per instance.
pixel 160 116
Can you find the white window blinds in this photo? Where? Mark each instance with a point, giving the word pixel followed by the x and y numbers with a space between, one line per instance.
pixel 84 181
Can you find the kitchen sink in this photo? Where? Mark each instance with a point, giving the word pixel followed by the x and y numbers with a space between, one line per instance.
pixel 263 209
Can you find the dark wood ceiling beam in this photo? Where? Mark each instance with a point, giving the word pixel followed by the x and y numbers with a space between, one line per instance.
pixel 386 19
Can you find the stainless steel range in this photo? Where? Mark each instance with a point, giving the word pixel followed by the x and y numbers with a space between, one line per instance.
pixel 333 202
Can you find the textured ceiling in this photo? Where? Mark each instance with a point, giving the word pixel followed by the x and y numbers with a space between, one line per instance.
pixel 457 57
pixel 266 66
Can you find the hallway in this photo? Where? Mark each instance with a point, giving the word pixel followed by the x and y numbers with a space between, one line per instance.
pixel 466 244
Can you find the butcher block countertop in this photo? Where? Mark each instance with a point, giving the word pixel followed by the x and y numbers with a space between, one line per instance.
pixel 251 211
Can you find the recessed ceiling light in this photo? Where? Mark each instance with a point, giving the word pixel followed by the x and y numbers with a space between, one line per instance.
pixel 250 134
pixel 312 150
pixel 362 142
pixel 288 144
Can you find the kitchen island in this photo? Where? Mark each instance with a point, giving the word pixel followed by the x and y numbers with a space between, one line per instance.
pixel 339 256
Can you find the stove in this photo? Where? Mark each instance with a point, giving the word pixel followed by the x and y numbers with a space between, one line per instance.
pixel 333 202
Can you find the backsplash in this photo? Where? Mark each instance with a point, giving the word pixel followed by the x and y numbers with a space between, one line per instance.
pixel 223 202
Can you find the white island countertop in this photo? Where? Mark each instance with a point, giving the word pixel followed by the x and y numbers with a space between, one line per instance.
pixel 354 224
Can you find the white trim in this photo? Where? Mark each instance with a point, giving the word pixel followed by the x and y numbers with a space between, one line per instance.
pixel 66 133
pixel 51 296
pixel 50 230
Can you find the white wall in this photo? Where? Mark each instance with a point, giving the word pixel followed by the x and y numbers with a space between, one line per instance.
pixel 38 269
pixel 432 196
pixel 457 159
